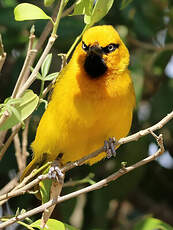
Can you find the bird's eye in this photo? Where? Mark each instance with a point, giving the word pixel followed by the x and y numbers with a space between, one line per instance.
pixel 84 46
pixel 110 48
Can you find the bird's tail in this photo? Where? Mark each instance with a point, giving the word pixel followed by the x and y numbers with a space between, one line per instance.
pixel 30 167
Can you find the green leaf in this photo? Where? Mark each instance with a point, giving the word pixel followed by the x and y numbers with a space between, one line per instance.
pixel 40 77
pixel 83 7
pixel 79 8
pixel 48 3
pixel 45 187
pixel 101 8
pixel 125 3
pixel 27 11
pixel 51 76
pixel 15 112
pixel 52 224
pixel 46 65
pixel 12 101
pixel 28 102
pixel 150 223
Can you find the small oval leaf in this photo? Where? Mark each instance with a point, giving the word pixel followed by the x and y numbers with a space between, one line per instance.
pixel 79 8
pixel 28 103
pixel 27 11
pixel 84 7
pixel 45 187
pixel 53 224
pixel 101 8
pixel 46 65
pixel 51 76
pixel 150 223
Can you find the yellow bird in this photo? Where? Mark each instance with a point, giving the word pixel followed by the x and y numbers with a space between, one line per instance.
pixel 93 99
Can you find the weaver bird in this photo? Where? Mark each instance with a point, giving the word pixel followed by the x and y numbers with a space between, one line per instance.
pixel 93 99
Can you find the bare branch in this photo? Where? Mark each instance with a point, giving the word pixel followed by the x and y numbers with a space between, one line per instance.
pixel 25 142
pixel 8 187
pixel 149 46
pixel 2 54
pixel 18 151
pixel 26 65
pixel 8 142
pixel 37 67
pixel 22 190
pixel 134 137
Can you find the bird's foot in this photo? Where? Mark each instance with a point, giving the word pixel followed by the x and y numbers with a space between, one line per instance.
pixel 109 146
pixel 56 173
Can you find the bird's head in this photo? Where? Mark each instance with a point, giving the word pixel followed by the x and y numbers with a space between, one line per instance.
pixel 101 51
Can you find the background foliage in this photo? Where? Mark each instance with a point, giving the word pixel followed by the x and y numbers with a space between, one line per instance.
pixel 145 26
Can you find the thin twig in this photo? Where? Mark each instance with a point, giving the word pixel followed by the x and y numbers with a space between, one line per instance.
pixel 136 136
pixel 26 65
pixel 23 189
pixel 48 88
pixel 2 60
pixel 24 70
pixel 18 151
pixel 44 35
pixel 2 54
pixel 8 187
pixel 8 142
pixel 149 46
pixel 68 10
pixel 10 139
pixel 25 142
pixel 33 75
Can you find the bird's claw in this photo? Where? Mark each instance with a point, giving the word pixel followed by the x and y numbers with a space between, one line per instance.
pixel 56 173
pixel 109 146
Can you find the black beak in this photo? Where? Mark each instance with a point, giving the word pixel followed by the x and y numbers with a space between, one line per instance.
pixel 94 63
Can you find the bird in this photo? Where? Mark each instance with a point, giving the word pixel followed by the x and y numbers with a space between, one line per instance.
pixel 92 100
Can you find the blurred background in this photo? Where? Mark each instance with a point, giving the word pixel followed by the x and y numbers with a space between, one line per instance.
pixel 146 26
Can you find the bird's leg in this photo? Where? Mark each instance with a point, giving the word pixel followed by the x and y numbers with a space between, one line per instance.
pixel 109 146
pixel 55 172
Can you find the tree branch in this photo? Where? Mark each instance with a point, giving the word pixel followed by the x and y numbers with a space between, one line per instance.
pixel 24 188
pixel 149 46
pixel 96 186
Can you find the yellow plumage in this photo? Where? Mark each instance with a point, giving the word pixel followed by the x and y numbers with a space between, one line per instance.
pixel 85 110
